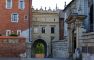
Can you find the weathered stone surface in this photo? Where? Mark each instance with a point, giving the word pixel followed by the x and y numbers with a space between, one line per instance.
pixel 60 49
pixel 12 46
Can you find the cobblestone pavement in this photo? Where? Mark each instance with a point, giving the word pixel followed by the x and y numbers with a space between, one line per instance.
pixel 33 59
pixel 46 59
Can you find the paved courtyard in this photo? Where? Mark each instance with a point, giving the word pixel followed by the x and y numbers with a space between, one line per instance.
pixel 33 59
pixel 46 59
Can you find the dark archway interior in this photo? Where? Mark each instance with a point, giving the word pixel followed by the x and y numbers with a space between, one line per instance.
pixel 42 42
pixel 73 41
pixel 91 18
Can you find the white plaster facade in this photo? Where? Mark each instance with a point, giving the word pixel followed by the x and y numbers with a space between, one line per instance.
pixel 47 19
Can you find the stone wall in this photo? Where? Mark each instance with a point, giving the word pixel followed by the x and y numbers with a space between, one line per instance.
pixel 87 45
pixel 12 46
pixel 46 19
pixel 60 49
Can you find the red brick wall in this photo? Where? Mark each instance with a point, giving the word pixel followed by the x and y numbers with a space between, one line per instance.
pixel 8 49
pixel 61 28
pixel 5 17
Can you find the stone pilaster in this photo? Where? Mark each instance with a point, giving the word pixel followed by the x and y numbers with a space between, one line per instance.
pixel 78 32
pixel 70 39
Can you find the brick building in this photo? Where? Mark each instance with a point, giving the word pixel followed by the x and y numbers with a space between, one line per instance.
pixel 12 46
pixel 14 16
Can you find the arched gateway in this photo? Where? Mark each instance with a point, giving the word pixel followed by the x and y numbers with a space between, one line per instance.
pixel 39 46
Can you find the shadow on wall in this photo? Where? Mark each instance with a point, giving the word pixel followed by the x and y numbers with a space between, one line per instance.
pixel 26 34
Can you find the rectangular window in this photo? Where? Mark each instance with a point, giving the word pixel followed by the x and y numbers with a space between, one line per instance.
pixel 43 30
pixel 21 4
pixel 52 30
pixel 35 29
pixel 25 17
pixel 8 32
pixel 18 32
pixel 14 17
pixel 8 4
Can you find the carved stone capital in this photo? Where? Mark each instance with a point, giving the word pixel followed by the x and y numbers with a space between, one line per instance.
pixel 69 26
pixel 78 23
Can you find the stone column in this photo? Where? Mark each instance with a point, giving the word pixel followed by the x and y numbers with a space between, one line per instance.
pixel 79 32
pixel 93 15
pixel 70 39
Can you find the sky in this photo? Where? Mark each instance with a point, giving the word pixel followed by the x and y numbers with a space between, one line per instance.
pixel 49 3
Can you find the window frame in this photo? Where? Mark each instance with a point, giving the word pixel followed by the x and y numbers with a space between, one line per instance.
pixel 19 5
pixel 7 7
pixel 43 30
pixel 52 31
pixel 36 29
pixel 18 31
pixel 25 17
pixel 8 32
pixel 12 18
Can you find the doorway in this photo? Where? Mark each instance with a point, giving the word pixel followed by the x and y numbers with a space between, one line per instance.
pixel 73 41
pixel 39 47
pixel 91 18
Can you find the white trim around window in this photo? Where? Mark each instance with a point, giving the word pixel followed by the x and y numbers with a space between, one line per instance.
pixel 18 32
pixel 8 32
pixel 8 4
pixel 14 17
pixel 21 4
pixel 35 30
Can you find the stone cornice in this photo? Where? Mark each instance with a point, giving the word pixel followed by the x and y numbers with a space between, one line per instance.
pixel 44 22
pixel 41 12
pixel 44 13
pixel 72 18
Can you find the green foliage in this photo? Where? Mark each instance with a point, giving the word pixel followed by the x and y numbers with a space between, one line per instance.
pixel 39 48
pixel 13 35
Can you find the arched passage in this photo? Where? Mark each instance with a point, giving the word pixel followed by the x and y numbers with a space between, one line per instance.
pixel 39 46
pixel 73 41
pixel 91 18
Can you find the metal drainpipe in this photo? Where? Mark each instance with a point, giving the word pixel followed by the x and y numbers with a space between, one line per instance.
pixel 29 21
